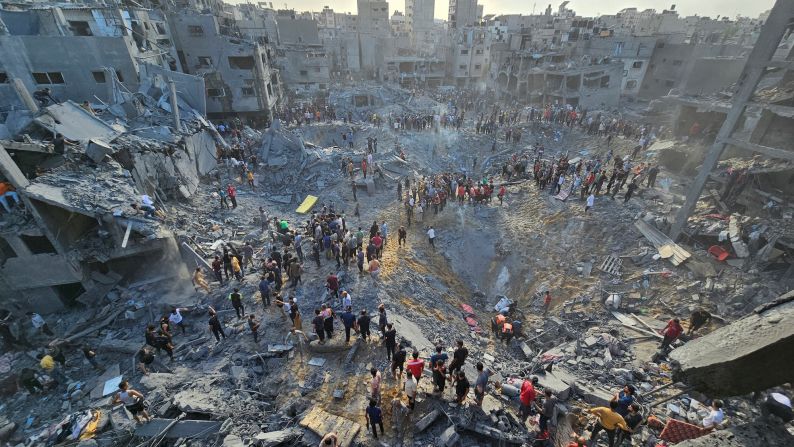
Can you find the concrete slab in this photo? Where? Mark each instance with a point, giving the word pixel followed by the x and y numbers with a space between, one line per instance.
pixel 321 422
pixel 449 437
pixel 182 429
pixel 560 389
pixel 275 438
pixel 75 123
pixel 426 420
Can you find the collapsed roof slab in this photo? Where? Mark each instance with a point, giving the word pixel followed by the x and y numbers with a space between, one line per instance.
pixel 750 354
pixel 75 123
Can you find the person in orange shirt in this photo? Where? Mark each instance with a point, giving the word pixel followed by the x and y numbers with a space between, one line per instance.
pixel 6 192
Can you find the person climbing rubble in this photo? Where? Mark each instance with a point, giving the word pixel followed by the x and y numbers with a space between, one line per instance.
pixel 132 401
pixel 199 280
pixel 608 421
pixel 671 332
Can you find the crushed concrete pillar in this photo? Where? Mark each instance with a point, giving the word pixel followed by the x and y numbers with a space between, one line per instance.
pixel 750 354
pixel 11 171
pixel 25 96
pixel 174 106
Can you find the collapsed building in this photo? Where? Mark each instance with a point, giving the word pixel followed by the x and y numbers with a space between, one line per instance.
pixel 78 235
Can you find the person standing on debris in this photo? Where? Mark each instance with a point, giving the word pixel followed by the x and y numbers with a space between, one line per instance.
pixel 374 269
pixel 546 303
pixel 237 302
pixel 374 386
pixel 629 191
pixel 431 236
pixel 199 281
pixel 374 417
pixel 458 360
pixel 360 261
pixel 90 356
pixel 295 271
pixel 609 421
pixel 382 320
pixel 481 385
pixel 415 366
pixel 39 324
pixel 652 174
pixel 227 262
pixel 217 269
pixel 590 202
pixel 237 271
pixel 215 326
pixel 328 321
pixel 697 319
pixel 410 390
pixel 398 362
pixel 527 397
pixel 222 196
pixel 300 340
pixel 332 284
pixel 439 376
pixel 132 400
pixel 319 326
pixel 348 321
pixel 390 340
pixel 248 256
pixel 633 420
pixel 401 234
pixel 265 291
pixel 250 177
pixel 232 192
pixel 330 440
pixel 363 323
pixel 254 326
pixel 176 319
pixel 507 332
pixel 462 387
pixel 671 332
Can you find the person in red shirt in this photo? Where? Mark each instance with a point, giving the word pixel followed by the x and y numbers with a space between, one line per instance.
pixel 415 366
pixel 671 332
pixel 546 302
pixel 501 194
pixel 527 397
pixel 232 192
pixel 332 283
pixel 364 166
pixel 377 241
pixel 461 193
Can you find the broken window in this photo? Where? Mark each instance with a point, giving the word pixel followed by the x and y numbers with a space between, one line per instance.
pixel 247 91
pixel 3 78
pixel 304 73
pixel 195 30
pixel 477 66
pixel 160 27
pixel 99 76
pixel 38 244
pixel 637 64
pixel 48 78
pixel 215 92
pixel 630 85
pixel 478 51
pixel 241 62
pixel 269 89
pixel 464 52
pixel 317 69
pixel 204 61
pixel 119 76
pixel 605 81
pixel 80 28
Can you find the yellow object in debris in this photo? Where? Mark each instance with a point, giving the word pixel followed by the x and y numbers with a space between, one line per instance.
pixel 47 363
pixel 666 251
pixel 307 205
pixel 90 429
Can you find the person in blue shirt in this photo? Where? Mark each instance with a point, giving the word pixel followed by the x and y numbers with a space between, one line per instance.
pixel 624 399
pixel 264 290
pixel 348 320
pixel 374 418
pixel 439 355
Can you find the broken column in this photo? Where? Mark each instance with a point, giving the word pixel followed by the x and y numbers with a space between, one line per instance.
pixel 750 354
pixel 174 105
pixel 24 95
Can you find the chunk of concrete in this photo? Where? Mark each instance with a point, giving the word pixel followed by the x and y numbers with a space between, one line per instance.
pixel 275 438
pixel 560 389
pixel 232 441
pixel 428 419
pixel 182 429
pixel 449 437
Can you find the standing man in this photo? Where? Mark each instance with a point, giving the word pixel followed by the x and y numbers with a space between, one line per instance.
pixel 374 386
pixel 332 283
pixel 374 418
pixel 431 236
pixel 363 324
pixel 231 191
pixel 590 202
pixel 217 269
pixel 398 361
pixel 264 291
pixel 175 318
pixel 527 397
pixel 652 173
pixel 390 340
pixel 462 387
pixel 248 256
pixel 546 303
pixel 401 233
pixel 481 385
pixel 348 321
pixel 416 366
pixel 458 359
pixel 237 302
pixel 215 326
pixel 254 326
pixel 548 410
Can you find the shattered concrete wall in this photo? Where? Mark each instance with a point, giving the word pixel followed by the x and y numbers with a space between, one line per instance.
pixel 190 88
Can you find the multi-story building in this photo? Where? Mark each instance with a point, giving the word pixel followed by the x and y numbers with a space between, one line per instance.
pixel 634 52
pixel 238 72
pixel 373 17
pixel 80 52
pixel 468 56
pixel 419 18
pixel 694 69
pixel 300 55
pixel 464 13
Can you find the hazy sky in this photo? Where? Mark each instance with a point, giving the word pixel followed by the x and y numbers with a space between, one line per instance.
pixel 711 8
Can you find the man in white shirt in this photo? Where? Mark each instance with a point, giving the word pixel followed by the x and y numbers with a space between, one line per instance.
pixel 431 235
pixel 39 324
pixel 175 318
pixel 590 202
pixel 347 300
pixel 716 416
pixel 410 390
